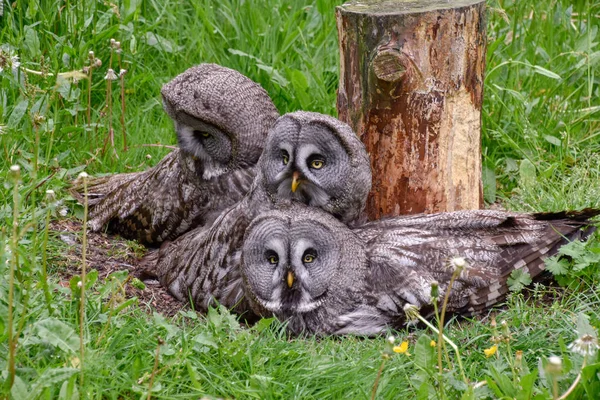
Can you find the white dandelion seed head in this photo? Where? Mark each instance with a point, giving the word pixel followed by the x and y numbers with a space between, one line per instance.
pixel 79 284
pixel 14 62
pixel 586 345
pixel 122 72
pixel 15 168
pixel 82 175
pixel 411 311
pixel 555 360
pixel 63 211
pixel 391 340
pixel 459 263
pixel 110 75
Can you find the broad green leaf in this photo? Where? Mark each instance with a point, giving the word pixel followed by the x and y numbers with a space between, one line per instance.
pixel 59 334
pixel 574 249
pixel 526 384
pixel 504 383
pixel 300 85
pixel 51 377
pixel 545 72
pixel 273 74
pixel 489 184
pixel 584 327
pixel 19 390
pixel 17 113
pixel 32 42
pixel 425 353
pixel 68 390
pixel 553 140
pixel 527 173
pixel 518 280
pixel 160 43
pixel 103 20
pixel 557 265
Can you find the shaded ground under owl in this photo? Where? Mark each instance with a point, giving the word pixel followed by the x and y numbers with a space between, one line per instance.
pixel 221 119
pixel 321 277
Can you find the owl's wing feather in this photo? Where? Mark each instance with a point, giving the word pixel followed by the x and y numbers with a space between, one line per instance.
pixel 203 265
pixel 406 254
pixel 163 202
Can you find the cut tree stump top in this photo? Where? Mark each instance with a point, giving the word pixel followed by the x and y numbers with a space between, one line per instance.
pixel 385 7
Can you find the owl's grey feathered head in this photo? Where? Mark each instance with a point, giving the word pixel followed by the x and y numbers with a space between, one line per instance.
pixel 317 160
pixel 301 264
pixel 221 117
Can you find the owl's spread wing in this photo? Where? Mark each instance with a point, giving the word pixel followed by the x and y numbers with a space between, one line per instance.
pixel 163 202
pixel 203 265
pixel 406 254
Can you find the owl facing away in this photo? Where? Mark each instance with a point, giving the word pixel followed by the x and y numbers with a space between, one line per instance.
pixel 310 159
pixel 222 119
pixel 308 269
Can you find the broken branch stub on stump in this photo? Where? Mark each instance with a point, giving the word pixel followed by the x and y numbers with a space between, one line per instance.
pixel 411 86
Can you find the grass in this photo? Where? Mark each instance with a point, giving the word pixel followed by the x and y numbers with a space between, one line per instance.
pixel 541 139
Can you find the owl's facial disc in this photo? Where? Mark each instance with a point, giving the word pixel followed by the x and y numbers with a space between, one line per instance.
pixel 292 273
pixel 306 163
pixel 206 142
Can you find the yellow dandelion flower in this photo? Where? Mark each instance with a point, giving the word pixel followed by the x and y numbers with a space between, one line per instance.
pixel 491 351
pixel 433 343
pixel 402 349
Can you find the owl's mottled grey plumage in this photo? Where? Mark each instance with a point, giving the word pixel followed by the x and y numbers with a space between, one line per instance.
pixel 358 281
pixel 204 264
pixel 221 119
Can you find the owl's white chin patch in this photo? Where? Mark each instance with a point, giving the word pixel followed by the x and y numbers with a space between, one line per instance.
pixel 275 306
pixel 307 193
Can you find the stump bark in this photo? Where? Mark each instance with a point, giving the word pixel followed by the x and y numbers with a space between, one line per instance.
pixel 411 86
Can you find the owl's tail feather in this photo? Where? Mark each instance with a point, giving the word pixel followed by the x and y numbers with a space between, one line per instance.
pixel 561 228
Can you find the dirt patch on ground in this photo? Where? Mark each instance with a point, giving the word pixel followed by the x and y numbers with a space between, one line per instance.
pixel 107 254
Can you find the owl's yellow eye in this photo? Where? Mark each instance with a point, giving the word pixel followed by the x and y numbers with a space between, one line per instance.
pixel 285 157
pixel 317 164
pixel 273 259
pixel 202 134
pixel 308 258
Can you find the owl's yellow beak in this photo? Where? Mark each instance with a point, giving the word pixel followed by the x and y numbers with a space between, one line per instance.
pixel 290 279
pixel 295 181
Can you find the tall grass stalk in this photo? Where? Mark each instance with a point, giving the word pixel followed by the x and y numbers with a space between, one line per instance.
pixel 458 263
pixel 84 177
pixel 90 70
pixel 12 340
pixel 122 73
pixel 50 199
pixel 159 343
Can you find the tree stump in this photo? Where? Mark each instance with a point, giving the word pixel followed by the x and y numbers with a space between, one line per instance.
pixel 411 86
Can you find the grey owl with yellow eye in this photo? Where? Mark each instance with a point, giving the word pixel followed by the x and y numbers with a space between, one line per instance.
pixel 308 269
pixel 222 119
pixel 309 158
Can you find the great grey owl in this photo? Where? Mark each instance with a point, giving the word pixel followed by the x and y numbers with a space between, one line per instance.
pixel 308 269
pixel 308 158
pixel 222 119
